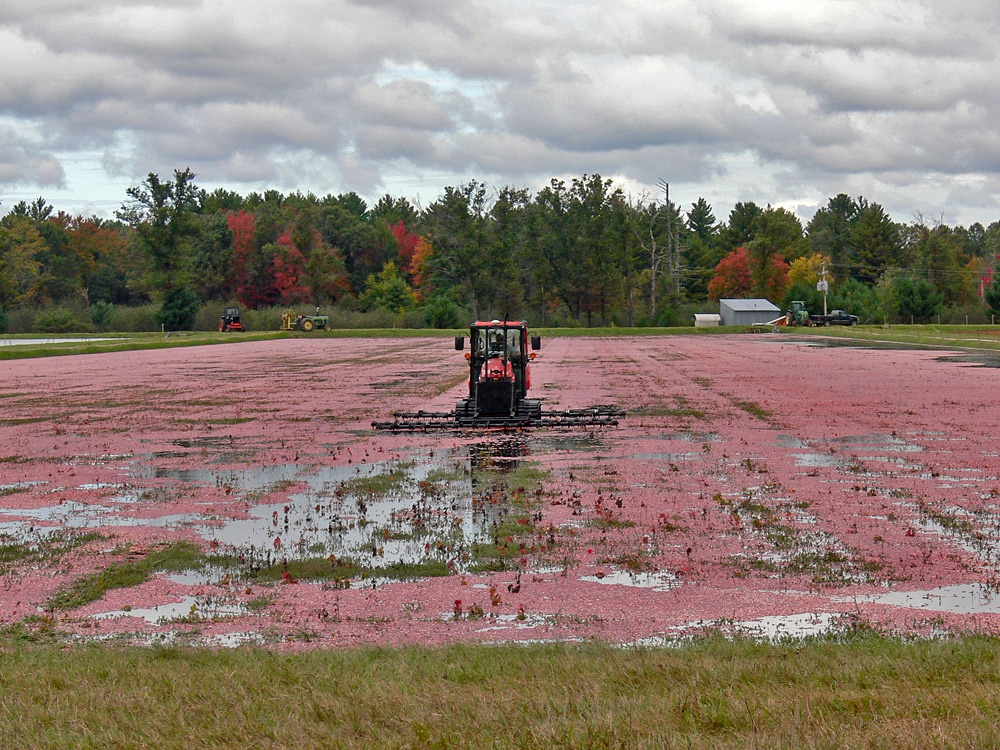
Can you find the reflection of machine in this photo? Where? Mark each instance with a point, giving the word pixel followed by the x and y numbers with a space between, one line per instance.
pixel 230 320
pixel 499 380
pixel 292 322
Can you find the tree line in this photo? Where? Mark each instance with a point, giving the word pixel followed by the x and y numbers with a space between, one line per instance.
pixel 573 253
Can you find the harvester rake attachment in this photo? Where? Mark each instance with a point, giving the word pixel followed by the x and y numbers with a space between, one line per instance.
pixel 499 380
pixel 420 421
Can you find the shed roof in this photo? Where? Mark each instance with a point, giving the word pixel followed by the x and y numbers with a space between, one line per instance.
pixel 749 304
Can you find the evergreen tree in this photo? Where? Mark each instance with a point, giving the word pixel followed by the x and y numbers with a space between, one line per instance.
pixel 875 243
pixel 741 228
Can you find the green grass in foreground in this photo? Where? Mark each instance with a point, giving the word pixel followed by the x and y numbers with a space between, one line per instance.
pixel 713 693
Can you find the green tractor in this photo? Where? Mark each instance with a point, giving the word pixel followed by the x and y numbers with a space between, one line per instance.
pixel 797 314
pixel 292 322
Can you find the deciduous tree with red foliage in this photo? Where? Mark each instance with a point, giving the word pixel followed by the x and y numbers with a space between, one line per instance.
pixel 732 276
pixel 289 272
pixel 241 225
pixel 407 242
pixel 740 274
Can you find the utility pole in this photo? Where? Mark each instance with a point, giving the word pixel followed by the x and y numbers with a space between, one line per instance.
pixel 823 286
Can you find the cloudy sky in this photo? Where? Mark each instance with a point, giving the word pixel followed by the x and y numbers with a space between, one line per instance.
pixel 780 102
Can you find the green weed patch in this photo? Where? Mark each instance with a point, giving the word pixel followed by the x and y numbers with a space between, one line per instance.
pixel 176 558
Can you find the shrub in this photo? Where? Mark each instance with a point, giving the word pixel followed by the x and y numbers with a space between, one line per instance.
pixel 411 319
pixel 991 295
pixel 264 319
pixel 180 309
pixel 60 320
pixel 975 314
pixel 101 314
pixel 387 290
pixel 135 319
pixel 441 312
pixel 667 318
pixel 208 316
pixel 3 321
pixel 918 299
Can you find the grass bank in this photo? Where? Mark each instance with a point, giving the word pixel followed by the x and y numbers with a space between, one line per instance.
pixel 985 337
pixel 51 345
pixel 932 336
pixel 712 693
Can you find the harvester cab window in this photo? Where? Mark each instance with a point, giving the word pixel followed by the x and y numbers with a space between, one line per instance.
pixel 496 343
pixel 479 338
pixel 513 343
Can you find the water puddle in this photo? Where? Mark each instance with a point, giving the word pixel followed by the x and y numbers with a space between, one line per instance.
pixel 815 460
pixel 654 581
pixel 690 437
pixel 69 514
pixel 36 342
pixel 790 441
pixel 243 480
pixel 190 608
pixel 973 360
pixel 434 507
pixel 563 443
pixel 509 622
pixel 772 628
pixel 777 627
pixel 892 443
pixel 965 598
pixel 692 456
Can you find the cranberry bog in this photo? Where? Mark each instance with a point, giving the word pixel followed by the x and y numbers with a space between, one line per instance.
pixel 769 485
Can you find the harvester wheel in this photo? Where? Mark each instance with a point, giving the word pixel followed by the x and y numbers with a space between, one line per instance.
pixel 307 325
pixel 327 328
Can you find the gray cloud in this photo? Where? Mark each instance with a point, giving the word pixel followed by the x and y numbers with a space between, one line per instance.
pixel 22 162
pixel 780 102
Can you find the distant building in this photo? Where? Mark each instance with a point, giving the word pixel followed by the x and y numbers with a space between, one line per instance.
pixel 706 320
pixel 746 312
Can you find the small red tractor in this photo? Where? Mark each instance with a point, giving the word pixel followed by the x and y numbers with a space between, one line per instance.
pixel 230 320
pixel 499 381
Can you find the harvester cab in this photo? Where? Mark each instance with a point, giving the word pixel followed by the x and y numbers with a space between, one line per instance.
pixel 499 376
pixel 230 320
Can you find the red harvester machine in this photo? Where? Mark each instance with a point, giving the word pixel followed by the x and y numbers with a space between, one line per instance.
pixel 499 380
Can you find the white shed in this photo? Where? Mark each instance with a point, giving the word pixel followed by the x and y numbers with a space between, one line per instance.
pixel 706 320
pixel 746 312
